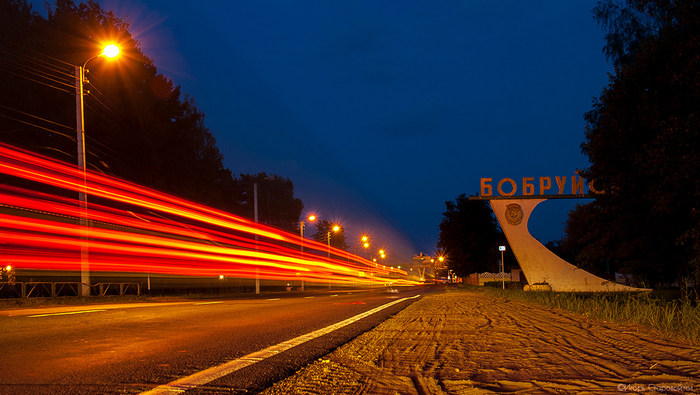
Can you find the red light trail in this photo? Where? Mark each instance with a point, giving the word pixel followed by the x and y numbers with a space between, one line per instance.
pixel 133 229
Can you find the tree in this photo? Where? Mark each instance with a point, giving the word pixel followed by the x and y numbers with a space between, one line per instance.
pixel 469 236
pixel 324 228
pixel 643 141
pixel 138 126
pixel 277 205
pixel 586 242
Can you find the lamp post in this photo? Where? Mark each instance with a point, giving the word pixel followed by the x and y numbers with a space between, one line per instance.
pixel 255 216
pixel 335 229
pixel 109 51
pixel 302 224
pixel 503 267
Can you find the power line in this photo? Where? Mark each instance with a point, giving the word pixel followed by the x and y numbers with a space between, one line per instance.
pixel 38 127
pixel 34 80
pixel 37 117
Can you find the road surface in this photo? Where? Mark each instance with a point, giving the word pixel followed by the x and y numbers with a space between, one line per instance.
pixel 137 347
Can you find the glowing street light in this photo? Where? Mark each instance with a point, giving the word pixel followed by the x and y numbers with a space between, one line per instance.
pixel 109 51
pixel 334 229
pixel 302 224
pixel 328 237
pixel 503 268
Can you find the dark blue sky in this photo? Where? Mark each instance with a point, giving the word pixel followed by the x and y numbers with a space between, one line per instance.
pixel 380 111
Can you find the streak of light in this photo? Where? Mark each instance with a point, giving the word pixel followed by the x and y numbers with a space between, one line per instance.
pixel 133 229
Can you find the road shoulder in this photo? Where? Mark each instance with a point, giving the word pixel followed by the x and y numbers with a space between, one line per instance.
pixel 463 341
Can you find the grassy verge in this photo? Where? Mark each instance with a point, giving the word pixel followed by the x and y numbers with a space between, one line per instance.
pixel 677 317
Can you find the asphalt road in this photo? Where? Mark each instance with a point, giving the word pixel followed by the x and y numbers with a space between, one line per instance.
pixel 138 347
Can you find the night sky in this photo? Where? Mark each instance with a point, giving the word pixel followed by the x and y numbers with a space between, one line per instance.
pixel 380 111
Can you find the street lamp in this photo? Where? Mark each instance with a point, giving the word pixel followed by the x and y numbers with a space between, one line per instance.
pixel 302 224
pixel 503 267
pixel 109 51
pixel 255 216
pixel 334 229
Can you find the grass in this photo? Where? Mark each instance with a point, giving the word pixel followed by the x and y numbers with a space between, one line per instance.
pixel 678 317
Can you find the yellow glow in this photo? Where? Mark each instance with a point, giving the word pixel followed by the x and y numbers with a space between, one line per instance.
pixel 366 245
pixel 336 228
pixel 221 276
pixel 441 258
pixel 365 238
pixel 312 218
pixel 8 268
pixel 111 51
pixel 381 252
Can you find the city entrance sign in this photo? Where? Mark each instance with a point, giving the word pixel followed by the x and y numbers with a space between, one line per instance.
pixel 543 269
pixel 566 187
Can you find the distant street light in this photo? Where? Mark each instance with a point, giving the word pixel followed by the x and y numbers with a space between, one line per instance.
pixel 328 236
pixel 302 224
pixel 109 51
pixel 503 267
pixel 335 229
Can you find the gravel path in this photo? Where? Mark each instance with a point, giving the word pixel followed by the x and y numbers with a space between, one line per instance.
pixel 464 342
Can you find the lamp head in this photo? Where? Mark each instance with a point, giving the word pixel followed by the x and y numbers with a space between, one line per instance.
pixel 110 51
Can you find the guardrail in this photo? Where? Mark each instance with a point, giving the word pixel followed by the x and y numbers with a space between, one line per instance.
pixel 40 289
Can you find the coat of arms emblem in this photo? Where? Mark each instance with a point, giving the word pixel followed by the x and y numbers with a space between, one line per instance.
pixel 514 214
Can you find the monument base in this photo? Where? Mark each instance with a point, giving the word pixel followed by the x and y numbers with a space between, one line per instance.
pixel 542 268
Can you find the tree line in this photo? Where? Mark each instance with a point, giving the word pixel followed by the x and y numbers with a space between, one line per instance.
pixel 642 139
pixel 139 124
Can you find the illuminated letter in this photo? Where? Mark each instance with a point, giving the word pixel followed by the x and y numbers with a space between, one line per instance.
pixel 591 188
pixel 545 183
pixel 486 188
pixel 576 186
pixel 528 189
pixel 561 181
pixel 500 189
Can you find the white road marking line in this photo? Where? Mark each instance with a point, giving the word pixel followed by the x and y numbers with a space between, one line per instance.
pixel 213 373
pixel 64 313
pixel 309 297
pixel 196 304
pixel 333 295
pixel 274 299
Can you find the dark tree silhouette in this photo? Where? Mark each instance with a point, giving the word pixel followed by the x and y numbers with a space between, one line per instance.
pixel 139 125
pixel 643 142
pixel 469 236
pixel 277 205
pixel 323 227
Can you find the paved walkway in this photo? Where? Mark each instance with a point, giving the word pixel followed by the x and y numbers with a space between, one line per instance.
pixel 466 342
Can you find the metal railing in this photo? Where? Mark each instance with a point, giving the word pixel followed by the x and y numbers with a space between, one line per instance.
pixel 45 289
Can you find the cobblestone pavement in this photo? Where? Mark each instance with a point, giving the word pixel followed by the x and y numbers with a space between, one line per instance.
pixel 466 342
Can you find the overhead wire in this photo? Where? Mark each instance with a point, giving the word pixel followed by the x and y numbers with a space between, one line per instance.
pixel 49 74
pixel 42 63
pixel 36 72
pixel 34 80
pixel 36 117
pixel 38 126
